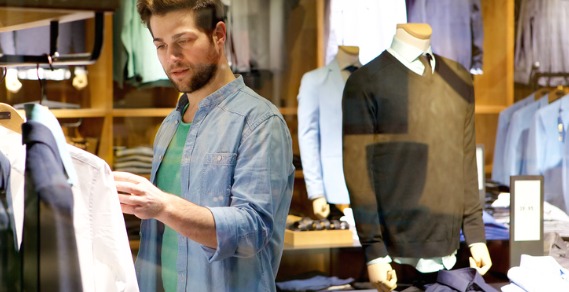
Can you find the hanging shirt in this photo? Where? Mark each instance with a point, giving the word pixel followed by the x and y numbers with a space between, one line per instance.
pixel 542 38
pixel 134 55
pixel 515 146
pixel 546 144
pixel 10 270
pixel 104 251
pixel 36 41
pixel 50 258
pixel 498 171
pixel 457 28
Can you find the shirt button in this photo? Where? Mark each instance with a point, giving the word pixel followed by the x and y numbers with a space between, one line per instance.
pixel 219 158
pixel 161 156
pixel 176 122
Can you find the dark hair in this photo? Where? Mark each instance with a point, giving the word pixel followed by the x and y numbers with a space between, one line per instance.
pixel 207 12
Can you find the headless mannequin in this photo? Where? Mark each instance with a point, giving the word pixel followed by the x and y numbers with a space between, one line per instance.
pixel 346 56
pixel 415 34
pixel 380 273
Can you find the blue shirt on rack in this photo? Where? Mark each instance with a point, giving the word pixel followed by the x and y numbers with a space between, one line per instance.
pixel 498 170
pixel 515 146
pixel 545 149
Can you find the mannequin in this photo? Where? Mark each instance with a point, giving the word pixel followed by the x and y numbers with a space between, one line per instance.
pixel 320 140
pixel 346 56
pixel 389 140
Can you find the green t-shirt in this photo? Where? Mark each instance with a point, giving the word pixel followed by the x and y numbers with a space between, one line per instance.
pixel 168 180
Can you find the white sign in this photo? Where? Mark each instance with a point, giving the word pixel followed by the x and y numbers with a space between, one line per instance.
pixel 527 225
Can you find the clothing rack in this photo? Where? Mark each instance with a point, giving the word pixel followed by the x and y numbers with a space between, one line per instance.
pixel 53 58
pixel 536 75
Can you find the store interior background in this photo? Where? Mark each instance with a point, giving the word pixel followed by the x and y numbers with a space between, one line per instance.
pixel 111 115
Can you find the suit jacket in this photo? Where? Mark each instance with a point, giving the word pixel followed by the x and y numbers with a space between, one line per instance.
pixel 320 133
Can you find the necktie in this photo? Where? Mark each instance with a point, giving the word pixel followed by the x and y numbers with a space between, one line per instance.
pixel 351 68
pixel 426 60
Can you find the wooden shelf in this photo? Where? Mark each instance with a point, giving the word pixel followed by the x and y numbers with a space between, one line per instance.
pixel 288 111
pixel 22 14
pixel 78 113
pixel 73 113
pixel 489 109
pixel 142 112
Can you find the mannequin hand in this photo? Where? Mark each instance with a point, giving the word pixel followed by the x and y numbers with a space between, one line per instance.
pixel 320 207
pixel 12 83
pixel 480 259
pixel 382 276
pixel 80 80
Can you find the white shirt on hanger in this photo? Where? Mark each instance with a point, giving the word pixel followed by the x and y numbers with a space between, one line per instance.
pixel 104 252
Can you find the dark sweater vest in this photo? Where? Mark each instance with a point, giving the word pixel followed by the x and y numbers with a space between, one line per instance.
pixel 415 185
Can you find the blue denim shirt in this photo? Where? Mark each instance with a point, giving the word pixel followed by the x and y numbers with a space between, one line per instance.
pixel 237 161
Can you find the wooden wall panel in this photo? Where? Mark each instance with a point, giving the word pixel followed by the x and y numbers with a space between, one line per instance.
pixel 494 89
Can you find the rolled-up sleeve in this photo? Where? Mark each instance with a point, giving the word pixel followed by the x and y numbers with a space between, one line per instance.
pixel 260 193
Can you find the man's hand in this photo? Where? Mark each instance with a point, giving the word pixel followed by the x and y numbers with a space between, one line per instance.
pixel 138 196
pixel 382 276
pixel 320 207
pixel 480 259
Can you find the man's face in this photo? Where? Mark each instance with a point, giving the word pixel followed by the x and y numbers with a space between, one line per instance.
pixel 189 56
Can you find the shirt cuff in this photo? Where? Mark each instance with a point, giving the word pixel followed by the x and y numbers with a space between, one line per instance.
pixel 476 243
pixel 382 260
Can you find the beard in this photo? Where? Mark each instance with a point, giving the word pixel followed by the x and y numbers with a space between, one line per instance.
pixel 201 74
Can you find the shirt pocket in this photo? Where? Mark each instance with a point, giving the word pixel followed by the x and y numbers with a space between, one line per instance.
pixel 217 178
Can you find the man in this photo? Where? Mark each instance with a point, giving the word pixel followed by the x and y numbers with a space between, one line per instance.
pixel 222 166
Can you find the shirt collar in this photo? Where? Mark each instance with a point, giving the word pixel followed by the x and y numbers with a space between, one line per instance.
pixel 405 52
pixel 216 97
pixel 462 279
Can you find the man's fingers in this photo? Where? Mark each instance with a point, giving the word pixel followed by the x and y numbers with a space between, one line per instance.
pixel 129 200
pixel 127 187
pixel 128 177
pixel 127 209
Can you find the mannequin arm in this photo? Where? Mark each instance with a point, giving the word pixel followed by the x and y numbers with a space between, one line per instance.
pixel 382 276
pixel 480 259
pixel 320 207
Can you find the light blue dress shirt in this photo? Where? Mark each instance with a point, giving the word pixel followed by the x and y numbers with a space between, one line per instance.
pixel 545 150
pixel 515 146
pixel 498 170
pixel 237 161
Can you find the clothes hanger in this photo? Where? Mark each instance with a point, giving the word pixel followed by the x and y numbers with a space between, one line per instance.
pixel 557 93
pixel 43 96
pixel 540 92
pixel 9 117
